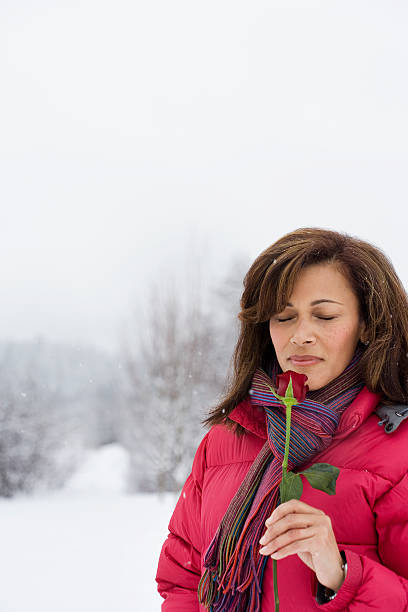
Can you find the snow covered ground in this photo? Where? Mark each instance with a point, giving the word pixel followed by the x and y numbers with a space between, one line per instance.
pixel 87 548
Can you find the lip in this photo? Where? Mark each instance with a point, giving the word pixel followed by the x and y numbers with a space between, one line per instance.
pixel 304 360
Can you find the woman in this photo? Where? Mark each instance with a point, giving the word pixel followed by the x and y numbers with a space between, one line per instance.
pixel 330 307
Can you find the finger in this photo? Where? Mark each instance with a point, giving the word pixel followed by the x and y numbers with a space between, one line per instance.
pixel 306 545
pixel 290 521
pixel 282 542
pixel 293 505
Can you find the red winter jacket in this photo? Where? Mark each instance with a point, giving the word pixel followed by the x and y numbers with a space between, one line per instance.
pixel 369 514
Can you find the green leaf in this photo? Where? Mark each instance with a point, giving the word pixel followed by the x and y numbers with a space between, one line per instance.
pixel 291 487
pixel 289 390
pixel 279 397
pixel 287 400
pixel 322 476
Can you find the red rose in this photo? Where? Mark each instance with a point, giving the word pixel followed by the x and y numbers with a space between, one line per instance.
pixel 298 383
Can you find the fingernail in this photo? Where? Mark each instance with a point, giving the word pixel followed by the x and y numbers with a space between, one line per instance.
pixel 262 550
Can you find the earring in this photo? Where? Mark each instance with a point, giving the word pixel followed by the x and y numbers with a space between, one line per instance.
pixel 367 342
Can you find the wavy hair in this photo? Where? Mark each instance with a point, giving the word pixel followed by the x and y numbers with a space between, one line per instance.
pixel 268 284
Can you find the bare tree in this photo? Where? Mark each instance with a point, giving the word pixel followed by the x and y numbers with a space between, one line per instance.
pixel 226 294
pixel 175 368
pixel 50 407
pixel 171 378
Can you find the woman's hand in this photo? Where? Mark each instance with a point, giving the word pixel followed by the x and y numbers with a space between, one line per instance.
pixel 296 527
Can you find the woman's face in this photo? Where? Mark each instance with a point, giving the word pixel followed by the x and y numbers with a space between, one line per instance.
pixel 320 321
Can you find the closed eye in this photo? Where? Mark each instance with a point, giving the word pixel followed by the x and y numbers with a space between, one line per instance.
pixel 324 319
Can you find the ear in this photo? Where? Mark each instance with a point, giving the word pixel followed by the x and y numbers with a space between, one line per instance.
pixel 363 331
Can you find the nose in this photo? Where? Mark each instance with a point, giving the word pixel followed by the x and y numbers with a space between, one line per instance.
pixel 303 334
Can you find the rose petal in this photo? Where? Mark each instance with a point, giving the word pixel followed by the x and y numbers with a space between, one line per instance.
pixel 298 383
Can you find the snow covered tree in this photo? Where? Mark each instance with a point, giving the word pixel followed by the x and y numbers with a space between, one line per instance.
pixel 50 401
pixel 171 379
pixel 226 294
pixel 175 368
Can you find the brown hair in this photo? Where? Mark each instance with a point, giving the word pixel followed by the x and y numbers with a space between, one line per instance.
pixel 268 285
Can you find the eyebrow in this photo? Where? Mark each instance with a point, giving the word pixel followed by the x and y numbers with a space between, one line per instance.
pixel 318 302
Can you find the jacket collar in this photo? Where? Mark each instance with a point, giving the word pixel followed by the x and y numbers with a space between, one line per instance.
pixel 358 412
pixel 253 418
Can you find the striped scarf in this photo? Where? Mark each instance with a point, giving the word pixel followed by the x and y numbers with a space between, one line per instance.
pixel 232 580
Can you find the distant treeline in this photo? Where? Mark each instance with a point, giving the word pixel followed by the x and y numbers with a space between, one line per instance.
pixel 58 400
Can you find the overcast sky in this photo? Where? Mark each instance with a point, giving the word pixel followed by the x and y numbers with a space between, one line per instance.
pixel 133 131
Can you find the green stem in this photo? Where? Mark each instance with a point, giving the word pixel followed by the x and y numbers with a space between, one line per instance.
pixel 288 405
pixel 288 402
pixel 287 441
pixel 275 584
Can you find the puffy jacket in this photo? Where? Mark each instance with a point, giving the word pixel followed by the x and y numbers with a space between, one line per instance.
pixel 369 514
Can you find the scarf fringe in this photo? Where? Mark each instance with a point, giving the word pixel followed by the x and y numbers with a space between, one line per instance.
pixel 244 569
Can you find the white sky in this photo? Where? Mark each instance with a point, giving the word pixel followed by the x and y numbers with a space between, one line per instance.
pixel 132 131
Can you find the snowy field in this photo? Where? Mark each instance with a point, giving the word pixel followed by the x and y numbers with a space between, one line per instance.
pixel 87 548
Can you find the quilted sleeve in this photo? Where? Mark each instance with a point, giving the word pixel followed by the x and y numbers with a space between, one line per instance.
pixel 179 568
pixel 373 585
